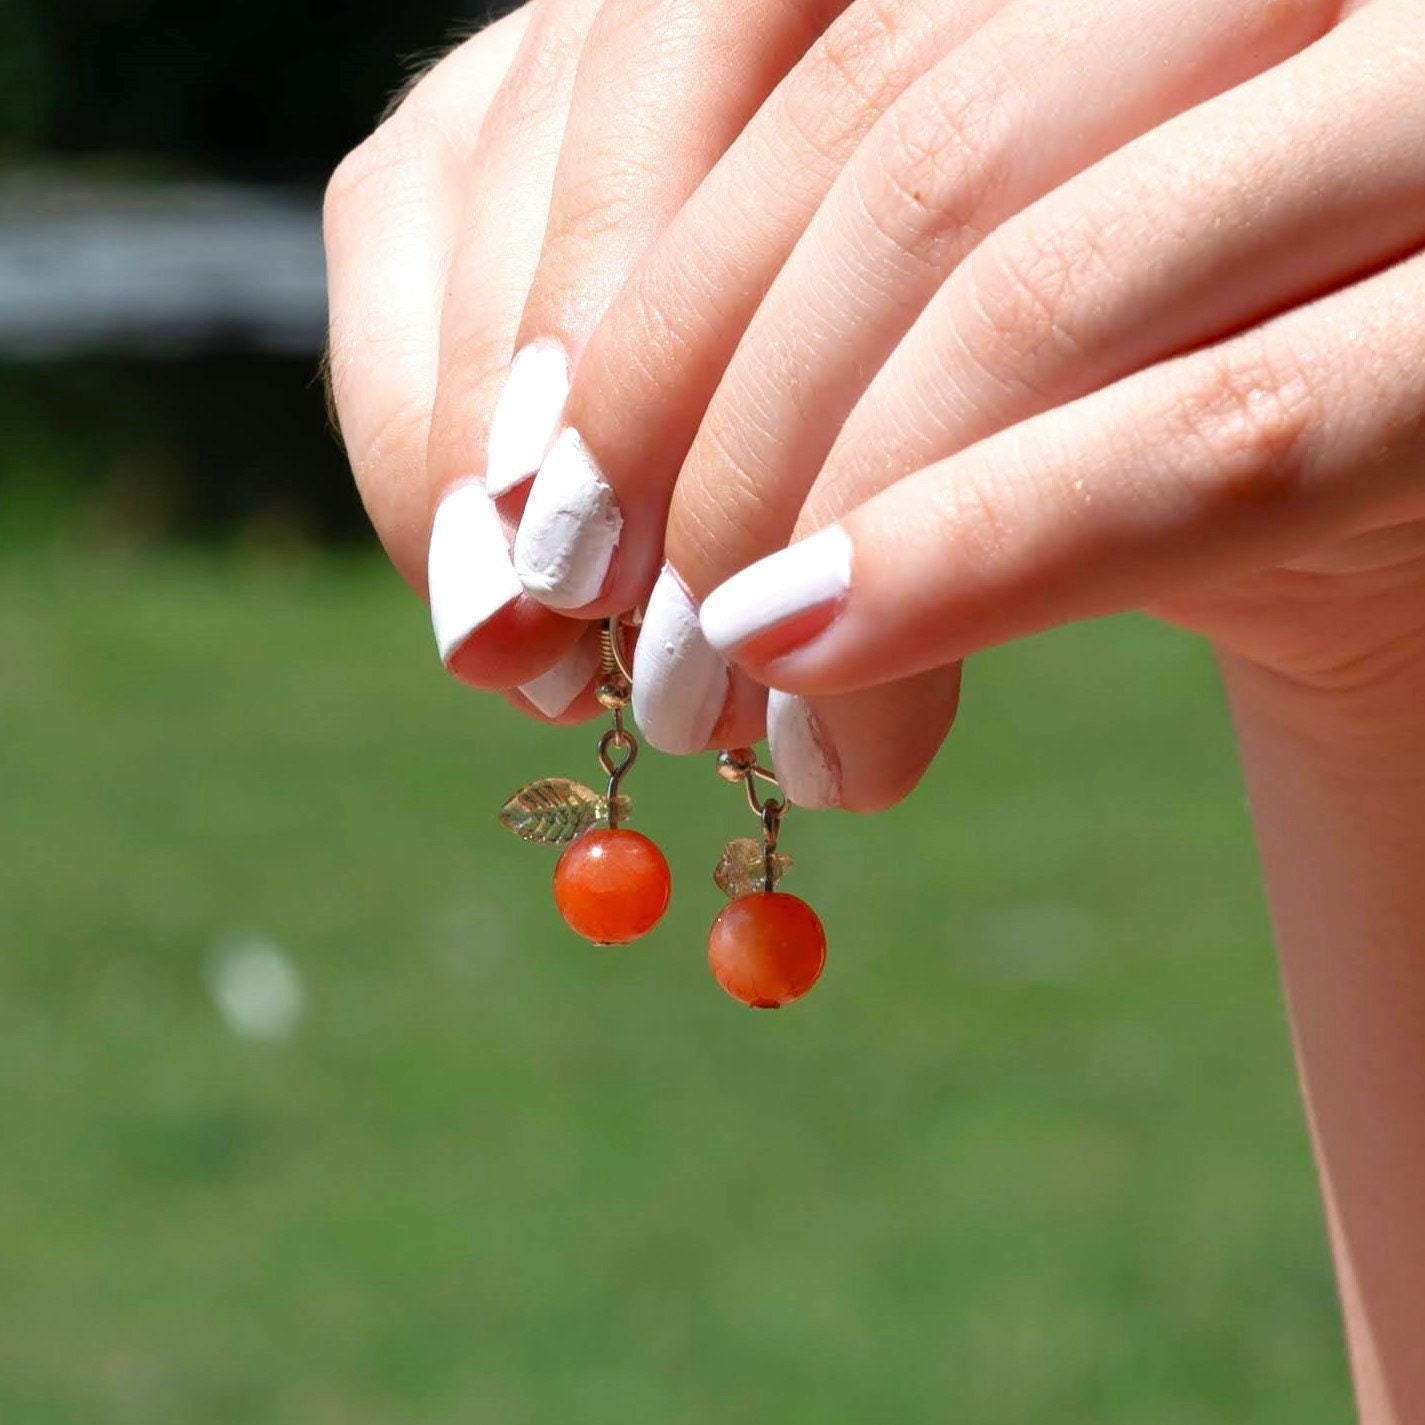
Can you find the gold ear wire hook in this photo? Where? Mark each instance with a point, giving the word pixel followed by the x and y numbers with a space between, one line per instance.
pixel 615 686
pixel 740 764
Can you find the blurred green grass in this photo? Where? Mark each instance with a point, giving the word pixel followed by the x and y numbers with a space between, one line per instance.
pixel 1031 1153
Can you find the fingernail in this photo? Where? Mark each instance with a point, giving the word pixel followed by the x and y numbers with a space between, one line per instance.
pixel 569 530
pixel 680 683
pixel 468 567
pixel 526 418
pixel 779 592
pixel 804 758
pixel 554 691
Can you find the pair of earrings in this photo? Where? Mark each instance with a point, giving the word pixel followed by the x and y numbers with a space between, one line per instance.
pixel 612 884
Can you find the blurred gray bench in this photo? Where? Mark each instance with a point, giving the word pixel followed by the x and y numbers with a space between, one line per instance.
pixel 157 268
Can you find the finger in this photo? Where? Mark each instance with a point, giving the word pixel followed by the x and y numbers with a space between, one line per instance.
pixel 728 242
pixel 999 122
pixel 1232 458
pixel 488 632
pixel 1285 186
pixel 674 329
pixel 888 752
pixel 564 694
pixel 390 219
pixel 662 87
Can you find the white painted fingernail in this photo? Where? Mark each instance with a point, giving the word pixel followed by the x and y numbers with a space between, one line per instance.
pixel 469 570
pixel 526 418
pixel 807 575
pixel 569 530
pixel 680 683
pixel 804 758
pixel 554 691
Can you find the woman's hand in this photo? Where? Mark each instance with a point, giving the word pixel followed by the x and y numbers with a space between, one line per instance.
pixel 1193 378
pixel 1023 247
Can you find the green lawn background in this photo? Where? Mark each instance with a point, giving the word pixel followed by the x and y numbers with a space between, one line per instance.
pixel 1031 1153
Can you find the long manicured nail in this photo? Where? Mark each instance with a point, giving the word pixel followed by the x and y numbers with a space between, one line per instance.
pixel 554 691
pixel 680 682
pixel 795 591
pixel 804 758
pixel 569 530
pixel 468 570
pixel 526 418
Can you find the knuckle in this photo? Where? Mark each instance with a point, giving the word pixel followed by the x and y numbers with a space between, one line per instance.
pixel 538 81
pixel 849 77
pixel 611 198
pixel 1245 423
pixel 372 164
pixel 659 331
pixel 392 167
pixel 1023 294
pixel 621 22
pixel 977 512
pixel 929 166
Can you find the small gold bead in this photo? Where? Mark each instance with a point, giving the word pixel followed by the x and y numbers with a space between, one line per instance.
pixel 612 693
pixel 735 763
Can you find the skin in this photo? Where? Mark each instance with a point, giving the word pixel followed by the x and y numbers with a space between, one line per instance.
pixel 1039 359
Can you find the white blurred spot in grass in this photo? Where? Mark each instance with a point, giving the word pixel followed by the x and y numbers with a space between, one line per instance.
pixel 256 988
pixel 1038 944
pixel 469 938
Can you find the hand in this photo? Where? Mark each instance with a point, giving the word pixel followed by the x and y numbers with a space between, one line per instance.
pixel 474 240
pixel 1233 427
pixel 999 259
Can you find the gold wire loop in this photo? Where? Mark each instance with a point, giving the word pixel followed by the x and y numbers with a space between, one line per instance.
pixel 740 764
pixel 761 806
pixel 617 739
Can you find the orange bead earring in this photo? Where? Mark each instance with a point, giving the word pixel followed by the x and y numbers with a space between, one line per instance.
pixel 611 884
pixel 766 948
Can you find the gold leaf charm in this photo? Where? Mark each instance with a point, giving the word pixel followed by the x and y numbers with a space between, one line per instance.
pixel 743 868
pixel 554 810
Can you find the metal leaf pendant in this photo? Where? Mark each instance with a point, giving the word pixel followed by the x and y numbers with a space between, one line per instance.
pixel 554 810
pixel 744 867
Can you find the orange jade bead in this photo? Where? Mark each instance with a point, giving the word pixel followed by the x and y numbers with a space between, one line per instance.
pixel 611 886
pixel 767 949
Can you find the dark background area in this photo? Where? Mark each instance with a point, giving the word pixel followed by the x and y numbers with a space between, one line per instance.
pixel 213 440
pixel 263 91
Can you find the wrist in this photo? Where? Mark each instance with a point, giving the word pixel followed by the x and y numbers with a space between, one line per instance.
pixel 1356 723
pixel 1334 758
pixel 1342 693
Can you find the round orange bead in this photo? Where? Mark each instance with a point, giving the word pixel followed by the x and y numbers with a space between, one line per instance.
pixel 611 886
pixel 767 949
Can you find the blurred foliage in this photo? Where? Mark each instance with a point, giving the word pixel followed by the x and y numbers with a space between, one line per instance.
pixel 1031 1152
pixel 29 86
pixel 124 454
pixel 265 90
pixel 132 451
